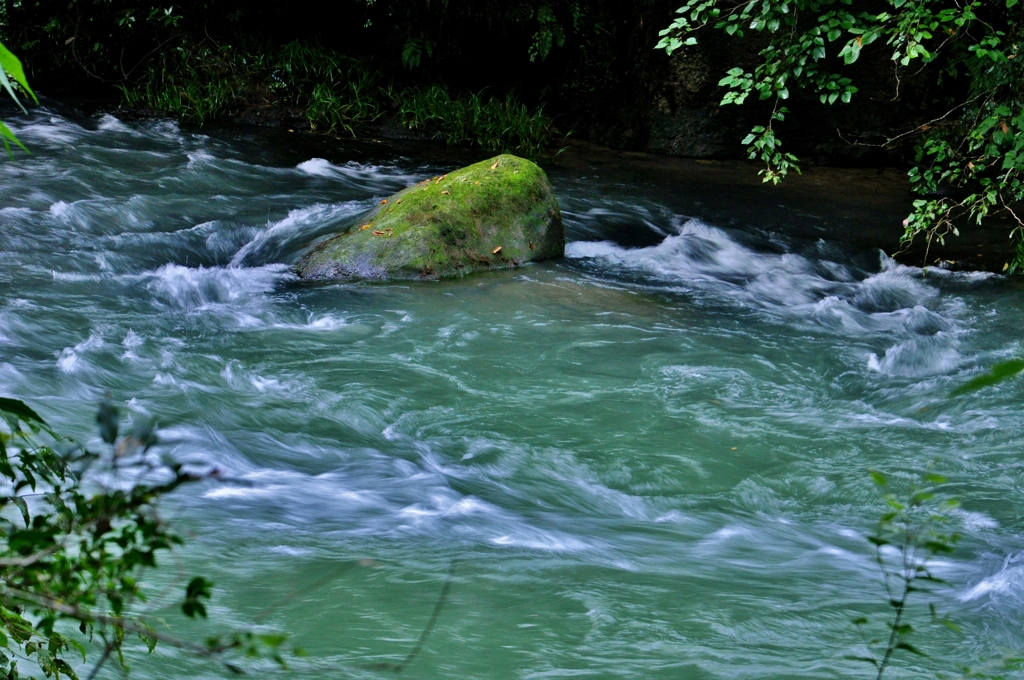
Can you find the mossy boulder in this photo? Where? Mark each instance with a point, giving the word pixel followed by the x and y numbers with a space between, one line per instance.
pixel 492 215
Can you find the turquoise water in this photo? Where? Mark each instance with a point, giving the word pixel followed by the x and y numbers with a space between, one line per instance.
pixel 647 460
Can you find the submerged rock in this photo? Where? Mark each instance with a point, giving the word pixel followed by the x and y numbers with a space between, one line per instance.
pixel 491 215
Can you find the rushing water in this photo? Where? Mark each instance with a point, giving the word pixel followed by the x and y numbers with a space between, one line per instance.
pixel 649 459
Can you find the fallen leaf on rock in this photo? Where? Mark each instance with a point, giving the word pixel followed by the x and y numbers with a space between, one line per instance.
pixel 365 226
pixel 379 233
pixel 384 201
pixel 495 166
pixel 496 250
pixel 446 193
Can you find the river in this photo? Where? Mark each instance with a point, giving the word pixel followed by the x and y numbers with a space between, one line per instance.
pixel 649 459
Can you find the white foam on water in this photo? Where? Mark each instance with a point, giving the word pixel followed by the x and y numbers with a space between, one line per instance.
pixel 200 157
pixel 131 342
pixel 1006 583
pixel 110 123
pixel 289 235
pixel 198 288
pixel 317 166
pixel 70 359
pixel 167 128
pixel 132 339
pixel 374 178
pixel 242 379
pixel 76 276
pixel 708 263
pixel 542 541
pixel 59 209
pixel 315 322
pixel 917 357
pixel 52 130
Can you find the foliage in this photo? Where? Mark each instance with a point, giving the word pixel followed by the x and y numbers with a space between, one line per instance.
pixel 975 150
pixel 911 533
pixel 11 69
pixel 77 531
pixel 587 61
pixel 333 92
pixel 206 81
pixel 492 123
pixel 105 42
pixel 196 84
pixel 434 31
pixel 1001 372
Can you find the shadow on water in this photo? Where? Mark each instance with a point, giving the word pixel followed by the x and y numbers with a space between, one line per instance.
pixel 862 209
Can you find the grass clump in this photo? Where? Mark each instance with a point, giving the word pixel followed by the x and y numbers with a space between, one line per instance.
pixel 195 84
pixel 332 92
pixel 491 123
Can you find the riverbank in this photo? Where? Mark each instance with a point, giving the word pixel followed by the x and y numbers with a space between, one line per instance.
pixel 862 208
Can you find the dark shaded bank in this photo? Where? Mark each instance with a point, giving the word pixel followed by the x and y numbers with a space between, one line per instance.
pixel 862 208
pixel 591 65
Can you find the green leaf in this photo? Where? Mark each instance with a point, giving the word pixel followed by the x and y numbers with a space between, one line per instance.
pixel 107 417
pixel 11 64
pixel 906 646
pixel 197 590
pixel 1000 372
pixel 18 408
pixel 8 136
pixel 6 84
pixel 148 635
pixel 23 506
pixel 62 666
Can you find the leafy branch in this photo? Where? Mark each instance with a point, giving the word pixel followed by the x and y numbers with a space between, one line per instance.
pixel 11 69
pixel 79 530
pixel 911 533
pixel 975 160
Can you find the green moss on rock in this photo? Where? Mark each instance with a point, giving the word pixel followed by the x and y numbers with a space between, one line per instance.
pixel 492 215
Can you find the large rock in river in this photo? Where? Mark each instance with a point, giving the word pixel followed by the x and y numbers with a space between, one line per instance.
pixel 492 215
